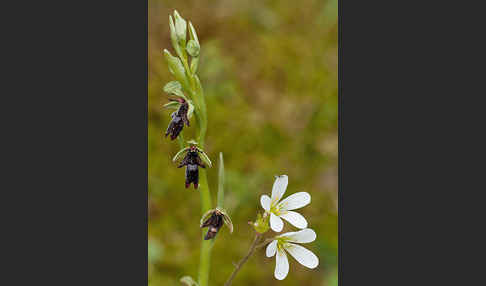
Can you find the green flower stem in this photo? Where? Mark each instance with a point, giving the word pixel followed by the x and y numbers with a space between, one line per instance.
pixel 188 73
pixel 192 86
pixel 204 119
pixel 200 112
pixel 206 245
pixel 181 141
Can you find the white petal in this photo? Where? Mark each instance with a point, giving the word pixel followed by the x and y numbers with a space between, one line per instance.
pixel 265 202
pixel 295 201
pixel 271 248
pixel 295 218
pixel 279 187
pixel 281 265
pixel 302 255
pixel 276 223
pixel 302 236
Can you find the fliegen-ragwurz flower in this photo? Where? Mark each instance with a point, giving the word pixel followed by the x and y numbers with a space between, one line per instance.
pixel 179 117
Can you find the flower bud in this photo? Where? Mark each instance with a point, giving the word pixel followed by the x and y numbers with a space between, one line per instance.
pixel 173 37
pixel 180 28
pixel 192 48
pixel 261 224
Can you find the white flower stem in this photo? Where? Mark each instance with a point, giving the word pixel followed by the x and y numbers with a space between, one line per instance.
pixel 244 259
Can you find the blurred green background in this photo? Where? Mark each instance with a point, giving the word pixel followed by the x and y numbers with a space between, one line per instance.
pixel 269 71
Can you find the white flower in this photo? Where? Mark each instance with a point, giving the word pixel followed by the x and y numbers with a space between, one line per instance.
pixel 283 209
pixel 284 243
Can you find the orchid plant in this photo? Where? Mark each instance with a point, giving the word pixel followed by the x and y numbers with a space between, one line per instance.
pixel 189 103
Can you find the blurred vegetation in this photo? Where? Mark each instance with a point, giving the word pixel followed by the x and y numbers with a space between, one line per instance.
pixel 269 71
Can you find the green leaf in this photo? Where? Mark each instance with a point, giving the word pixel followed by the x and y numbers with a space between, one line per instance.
pixel 190 111
pixel 179 154
pixel 205 158
pixel 200 110
pixel 172 105
pixel 188 281
pixel 181 28
pixel 193 48
pixel 177 69
pixel 221 181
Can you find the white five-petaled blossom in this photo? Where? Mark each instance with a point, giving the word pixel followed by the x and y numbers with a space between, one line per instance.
pixel 286 243
pixel 283 209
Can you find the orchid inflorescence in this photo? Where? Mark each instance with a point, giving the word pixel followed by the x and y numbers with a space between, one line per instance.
pixel 189 101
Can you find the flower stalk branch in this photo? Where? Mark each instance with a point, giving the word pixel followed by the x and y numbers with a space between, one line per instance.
pixel 244 259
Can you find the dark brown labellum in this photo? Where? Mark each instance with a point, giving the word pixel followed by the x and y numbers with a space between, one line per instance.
pixel 179 117
pixel 192 163
pixel 214 223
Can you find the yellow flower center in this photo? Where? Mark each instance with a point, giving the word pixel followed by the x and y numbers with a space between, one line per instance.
pixel 277 209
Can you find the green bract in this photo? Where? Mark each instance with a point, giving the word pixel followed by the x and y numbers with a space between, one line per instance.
pixel 174 87
pixel 194 64
pixel 177 69
pixel 221 181
pixel 192 33
pixel 190 111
